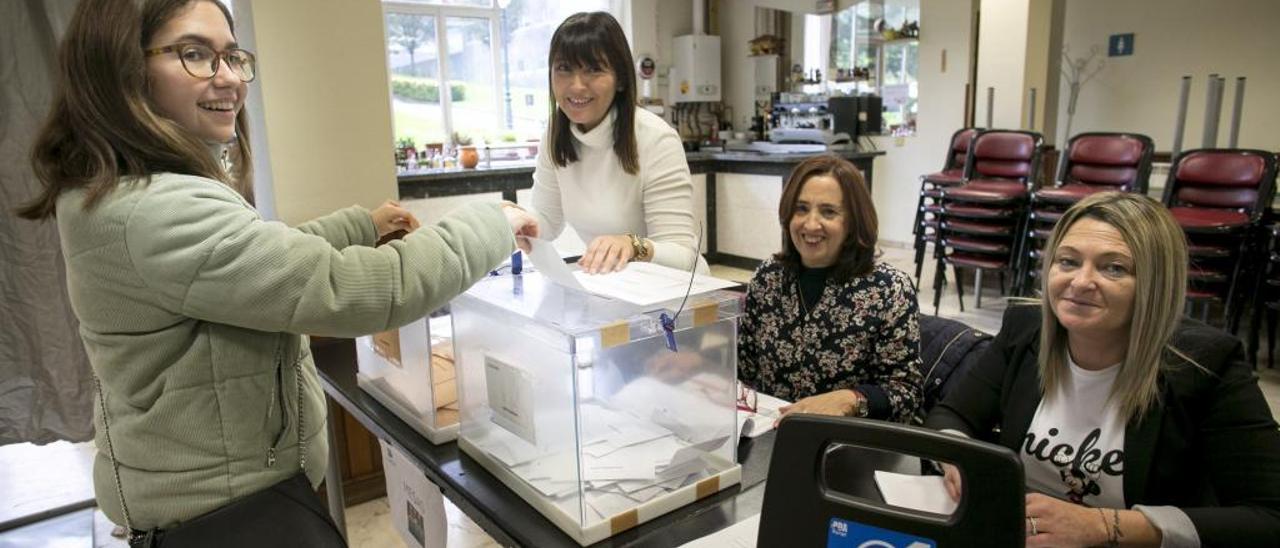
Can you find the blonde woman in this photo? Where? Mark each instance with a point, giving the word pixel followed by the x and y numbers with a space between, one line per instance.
pixel 1136 426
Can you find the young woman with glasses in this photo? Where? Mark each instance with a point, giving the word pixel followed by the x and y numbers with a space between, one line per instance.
pixel 615 172
pixel 192 306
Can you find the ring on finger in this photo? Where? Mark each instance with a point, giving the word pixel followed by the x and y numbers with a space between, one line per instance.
pixel 1034 530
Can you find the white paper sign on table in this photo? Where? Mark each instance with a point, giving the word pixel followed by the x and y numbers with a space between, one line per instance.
pixel 924 493
pixel 739 535
pixel 417 506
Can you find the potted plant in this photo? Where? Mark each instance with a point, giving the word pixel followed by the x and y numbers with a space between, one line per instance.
pixel 467 155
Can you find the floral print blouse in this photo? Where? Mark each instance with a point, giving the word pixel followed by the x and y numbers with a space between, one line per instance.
pixel 863 334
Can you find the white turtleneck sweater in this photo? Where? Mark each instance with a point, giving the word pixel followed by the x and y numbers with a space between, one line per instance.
pixel 598 198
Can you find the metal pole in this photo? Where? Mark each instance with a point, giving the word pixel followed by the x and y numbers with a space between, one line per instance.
pixel 991 102
pixel 506 70
pixel 1235 114
pixel 1212 111
pixel 1180 126
pixel 1032 114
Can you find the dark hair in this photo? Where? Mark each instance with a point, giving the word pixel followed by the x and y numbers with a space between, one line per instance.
pixel 857 253
pixel 594 39
pixel 102 126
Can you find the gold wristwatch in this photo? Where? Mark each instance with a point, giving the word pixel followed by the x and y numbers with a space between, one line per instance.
pixel 861 407
pixel 639 251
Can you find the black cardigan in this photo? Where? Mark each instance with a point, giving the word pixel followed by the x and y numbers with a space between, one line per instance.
pixel 1209 447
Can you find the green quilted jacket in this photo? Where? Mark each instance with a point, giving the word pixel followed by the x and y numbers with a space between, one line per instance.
pixel 191 308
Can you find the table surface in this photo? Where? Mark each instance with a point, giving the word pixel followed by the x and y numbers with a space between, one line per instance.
pixel 502 513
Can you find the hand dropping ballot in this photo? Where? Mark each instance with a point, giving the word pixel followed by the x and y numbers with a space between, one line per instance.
pixel 639 283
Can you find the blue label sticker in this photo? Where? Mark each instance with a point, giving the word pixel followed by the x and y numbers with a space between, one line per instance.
pixel 850 534
pixel 1120 44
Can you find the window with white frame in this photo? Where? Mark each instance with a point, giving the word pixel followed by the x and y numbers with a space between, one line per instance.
pixel 875 49
pixel 477 68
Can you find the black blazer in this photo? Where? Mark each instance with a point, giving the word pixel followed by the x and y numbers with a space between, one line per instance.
pixel 1209 447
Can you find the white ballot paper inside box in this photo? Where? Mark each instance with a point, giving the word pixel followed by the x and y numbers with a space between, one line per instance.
pixel 510 391
pixel 639 283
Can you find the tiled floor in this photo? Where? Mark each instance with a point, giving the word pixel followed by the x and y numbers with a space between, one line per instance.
pixel 35 478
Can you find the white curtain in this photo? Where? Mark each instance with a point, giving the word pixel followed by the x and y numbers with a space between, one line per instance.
pixel 46 391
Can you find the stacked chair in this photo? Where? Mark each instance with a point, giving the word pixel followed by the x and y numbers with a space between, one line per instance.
pixel 930 203
pixel 1220 197
pixel 981 222
pixel 1093 162
pixel 1267 300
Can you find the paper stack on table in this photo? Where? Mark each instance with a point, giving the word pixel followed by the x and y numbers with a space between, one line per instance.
pixel 639 283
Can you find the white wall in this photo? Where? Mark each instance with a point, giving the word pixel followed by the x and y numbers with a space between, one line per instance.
pixel 945 25
pixel 1002 54
pixel 1173 38
pixel 326 109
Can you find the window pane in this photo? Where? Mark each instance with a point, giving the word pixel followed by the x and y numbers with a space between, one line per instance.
pixel 527 26
pixel 471 88
pixel 413 60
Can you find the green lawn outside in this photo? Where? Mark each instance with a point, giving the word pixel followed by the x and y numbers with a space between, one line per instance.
pixel 474 116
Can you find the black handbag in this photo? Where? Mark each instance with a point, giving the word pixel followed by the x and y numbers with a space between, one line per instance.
pixel 287 514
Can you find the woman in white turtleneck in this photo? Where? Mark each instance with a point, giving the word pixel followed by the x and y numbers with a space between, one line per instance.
pixel 616 173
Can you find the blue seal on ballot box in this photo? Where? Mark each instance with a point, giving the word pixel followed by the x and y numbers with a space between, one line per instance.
pixel 851 534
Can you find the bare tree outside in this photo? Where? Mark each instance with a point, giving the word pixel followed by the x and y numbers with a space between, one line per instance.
pixel 409 32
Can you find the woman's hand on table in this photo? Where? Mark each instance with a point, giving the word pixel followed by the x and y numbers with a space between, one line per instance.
pixel 609 253
pixel 839 403
pixel 951 479
pixel 1055 522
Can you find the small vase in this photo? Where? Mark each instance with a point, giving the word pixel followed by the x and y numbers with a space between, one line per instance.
pixel 469 157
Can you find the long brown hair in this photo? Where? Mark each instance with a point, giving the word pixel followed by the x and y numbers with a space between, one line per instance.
pixel 103 127
pixel 595 39
pixel 858 252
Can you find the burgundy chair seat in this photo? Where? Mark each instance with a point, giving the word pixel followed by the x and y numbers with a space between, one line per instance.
pixel 1041 233
pixel 1068 193
pixel 1047 215
pixel 1202 250
pixel 978 261
pixel 1206 275
pixel 1202 218
pixel 988 190
pixel 931 208
pixel 931 193
pixel 1202 294
pixel 971 227
pixel 948 177
pixel 977 212
pixel 977 245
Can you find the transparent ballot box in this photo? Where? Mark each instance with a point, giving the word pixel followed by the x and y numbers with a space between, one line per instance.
pixel 411 371
pixel 579 405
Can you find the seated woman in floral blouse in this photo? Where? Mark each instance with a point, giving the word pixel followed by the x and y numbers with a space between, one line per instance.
pixel 826 325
